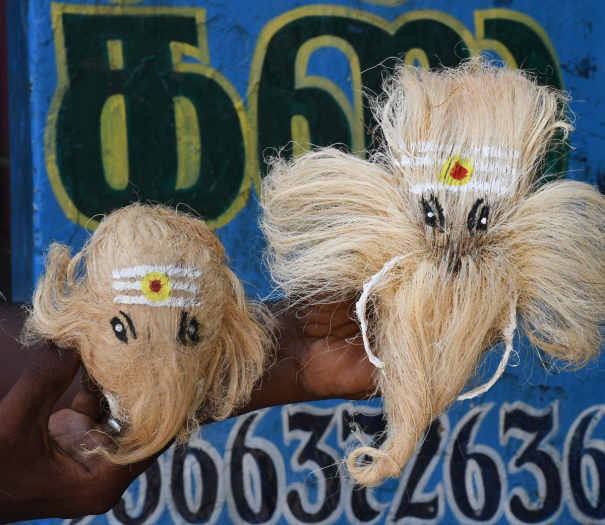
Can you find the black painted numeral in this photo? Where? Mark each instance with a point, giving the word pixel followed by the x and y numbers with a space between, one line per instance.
pixel 585 465
pixel 208 480
pixel 533 427
pixel 413 504
pixel 371 425
pixel 266 475
pixel 475 474
pixel 314 427
pixel 152 494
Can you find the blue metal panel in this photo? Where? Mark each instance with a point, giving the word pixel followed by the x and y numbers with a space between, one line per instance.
pixel 530 451
pixel 20 149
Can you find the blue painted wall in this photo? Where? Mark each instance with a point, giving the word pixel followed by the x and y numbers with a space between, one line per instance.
pixel 530 451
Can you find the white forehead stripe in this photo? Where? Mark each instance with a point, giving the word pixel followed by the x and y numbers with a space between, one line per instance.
pixel 179 302
pixel 486 159
pixel 118 286
pixel 431 146
pixel 163 285
pixel 480 187
pixel 416 161
pixel 189 272
pixel 478 165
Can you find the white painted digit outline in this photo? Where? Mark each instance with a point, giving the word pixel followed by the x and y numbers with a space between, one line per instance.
pixel 589 442
pixel 253 441
pixel 197 486
pixel 482 449
pixel 526 439
pixel 310 466
pixel 419 495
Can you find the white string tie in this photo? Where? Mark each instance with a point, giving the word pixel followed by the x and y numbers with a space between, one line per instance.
pixel 379 278
pixel 360 307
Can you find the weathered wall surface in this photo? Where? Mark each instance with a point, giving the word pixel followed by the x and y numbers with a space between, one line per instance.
pixel 180 101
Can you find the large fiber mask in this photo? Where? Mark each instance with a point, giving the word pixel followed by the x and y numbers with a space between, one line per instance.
pixel 445 238
pixel 161 323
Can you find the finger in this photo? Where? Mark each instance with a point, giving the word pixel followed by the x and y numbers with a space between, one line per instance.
pixel 42 384
pixel 76 433
pixel 327 319
pixel 90 404
pixel 89 400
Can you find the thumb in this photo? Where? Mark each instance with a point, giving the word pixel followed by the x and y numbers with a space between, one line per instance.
pixel 42 384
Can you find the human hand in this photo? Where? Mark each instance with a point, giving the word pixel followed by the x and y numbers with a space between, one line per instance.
pixel 82 426
pixel 41 472
pixel 320 355
pixel 333 362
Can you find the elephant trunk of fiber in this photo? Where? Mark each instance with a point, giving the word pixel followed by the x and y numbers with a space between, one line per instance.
pixel 432 331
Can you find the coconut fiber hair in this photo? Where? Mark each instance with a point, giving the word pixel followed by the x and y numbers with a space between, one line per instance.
pixel 446 238
pixel 162 325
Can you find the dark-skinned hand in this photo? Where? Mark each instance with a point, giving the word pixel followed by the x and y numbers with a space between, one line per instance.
pixel 320 356
pixel 41 472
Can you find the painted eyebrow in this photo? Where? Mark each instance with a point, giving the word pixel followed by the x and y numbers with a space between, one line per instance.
pixel 471 221
pixel 437 205
pixel 130 324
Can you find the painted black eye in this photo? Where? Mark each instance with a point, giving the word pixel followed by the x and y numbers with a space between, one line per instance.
pixel 433 212
pixel 188 330
pixel 119 329
pixel 478 217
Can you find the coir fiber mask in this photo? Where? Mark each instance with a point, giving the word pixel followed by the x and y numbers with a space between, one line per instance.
pixel 160 321
pixel 445 238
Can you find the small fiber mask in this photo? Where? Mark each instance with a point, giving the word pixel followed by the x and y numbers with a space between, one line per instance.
pixel 161 323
